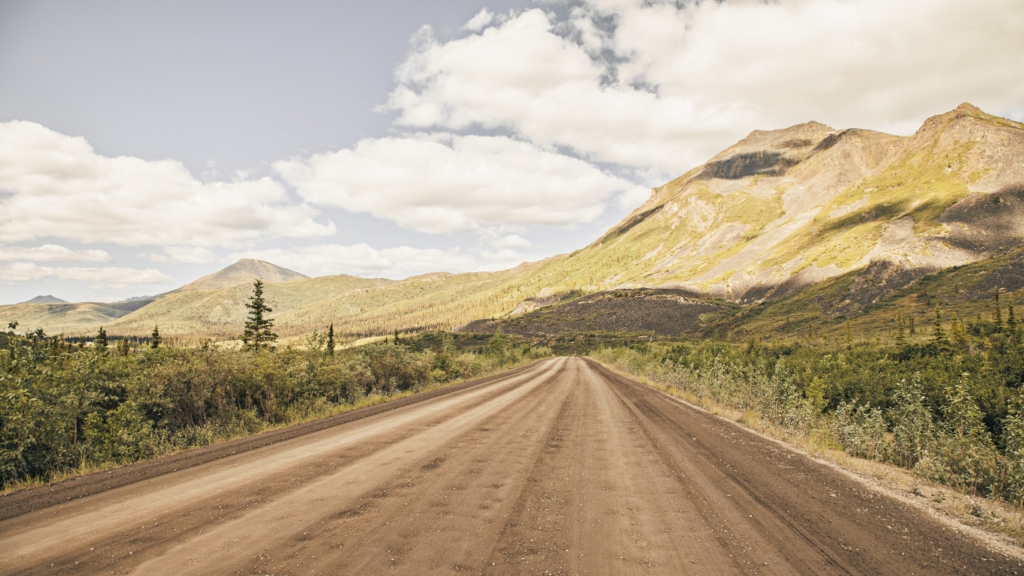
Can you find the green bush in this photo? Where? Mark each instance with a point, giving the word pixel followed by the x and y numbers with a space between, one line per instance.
pixel 64 408
pixel 941 413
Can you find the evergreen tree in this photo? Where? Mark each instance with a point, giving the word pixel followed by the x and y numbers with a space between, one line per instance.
pixel 123 347
pixel 101 339
pixel 959 333
pixel 155 340
pixel 997 313
pixel 397 340
pixel 938 332
pixel 912 329
pixel 330 339
pixel 901 337
pixel 1011 321
pixel 258 333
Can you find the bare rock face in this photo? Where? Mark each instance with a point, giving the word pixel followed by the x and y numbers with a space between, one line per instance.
pixel 243 272
pixel 783 209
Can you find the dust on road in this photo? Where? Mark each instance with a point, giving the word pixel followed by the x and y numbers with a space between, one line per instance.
pixel 559 468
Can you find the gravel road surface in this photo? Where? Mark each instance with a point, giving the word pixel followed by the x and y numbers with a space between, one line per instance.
pixel 561 467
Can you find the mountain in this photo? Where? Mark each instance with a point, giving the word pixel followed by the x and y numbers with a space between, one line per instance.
pixel 245 271
pixel 781 210
pixel 806 220
pixel 48 299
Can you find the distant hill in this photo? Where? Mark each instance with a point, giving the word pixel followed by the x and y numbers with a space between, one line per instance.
pixel 69 318
pixel 48 299
pixel 243 272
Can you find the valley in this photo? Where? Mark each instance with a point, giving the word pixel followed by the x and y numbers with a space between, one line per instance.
pixel 850 215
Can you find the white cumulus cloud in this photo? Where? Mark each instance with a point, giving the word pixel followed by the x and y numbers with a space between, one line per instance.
pixel 61 188
pixel 439 183
pixel 52 253
pixel 190 254
pixel 684 82
pixel 28 271
pixel 478 22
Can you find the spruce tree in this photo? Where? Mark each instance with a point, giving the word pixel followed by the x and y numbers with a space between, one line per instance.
pixel 101 339
pixel 997 313
pixel 901 337
pixel 155 340
pixel 1011 321
pixel 938 332
pixel 258 333
pixel 912 329
pixel 959 333
pixel 330 339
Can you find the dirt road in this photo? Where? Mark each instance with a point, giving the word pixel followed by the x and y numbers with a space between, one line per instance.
pixel 559 468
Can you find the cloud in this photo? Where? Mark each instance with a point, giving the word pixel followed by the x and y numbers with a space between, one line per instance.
pixel 512 241
pixel 27 271
pixel 439 183
pixel 53 253
pixel 634 197
pixel 646 84
pixel 190 254
pixel 362 260
pixel 478 22
pixel 62 188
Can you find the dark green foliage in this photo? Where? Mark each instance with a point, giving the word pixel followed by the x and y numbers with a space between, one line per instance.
pixel 330 340
pixel 101 339
pixel 64 407
pixel 155 340
pixel 997 313
pixel 258 332
pixel 901 337
pixel 1011 321
pixel 954 415
pixel 938 332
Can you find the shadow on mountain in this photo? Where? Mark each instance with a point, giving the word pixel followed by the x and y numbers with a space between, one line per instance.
pixel 745 165
pixel 668 312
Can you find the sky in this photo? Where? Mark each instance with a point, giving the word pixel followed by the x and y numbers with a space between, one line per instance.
pixel 146 144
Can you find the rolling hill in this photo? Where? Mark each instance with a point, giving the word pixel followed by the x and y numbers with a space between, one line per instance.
pixel 853 216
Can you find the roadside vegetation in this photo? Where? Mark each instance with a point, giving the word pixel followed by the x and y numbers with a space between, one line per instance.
pixel 950 410
pixel 68 408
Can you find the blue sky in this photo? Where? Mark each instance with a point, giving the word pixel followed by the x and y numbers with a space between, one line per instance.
pixel 143 145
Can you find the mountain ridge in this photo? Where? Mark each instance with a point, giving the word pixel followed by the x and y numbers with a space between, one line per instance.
pixel 773 214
